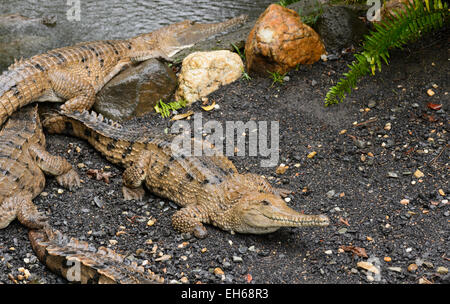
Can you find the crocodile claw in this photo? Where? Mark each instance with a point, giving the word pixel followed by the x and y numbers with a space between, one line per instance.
pixel 133 193
pixel 69 180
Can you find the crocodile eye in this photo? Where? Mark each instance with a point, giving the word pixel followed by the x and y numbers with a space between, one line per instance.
pixel 265 203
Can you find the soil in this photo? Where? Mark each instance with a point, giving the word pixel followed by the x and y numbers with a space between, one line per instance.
pixel 362 178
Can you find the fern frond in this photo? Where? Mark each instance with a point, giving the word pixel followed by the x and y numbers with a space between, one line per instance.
pixel 396 30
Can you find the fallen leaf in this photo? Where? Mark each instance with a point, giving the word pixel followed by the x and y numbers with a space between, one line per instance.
pixel 99 175
pixel 182 116
pixel 361 252
pixel 249 278
pixel 434 106
pixel 210 107
pixel 430 118
pixel 368 266
pixel 345 222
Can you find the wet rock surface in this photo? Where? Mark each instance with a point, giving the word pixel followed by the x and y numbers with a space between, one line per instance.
pixel 340 27
pixel 135 91
pixel 347 182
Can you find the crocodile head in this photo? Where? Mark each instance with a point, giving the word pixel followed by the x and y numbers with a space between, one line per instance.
pixel 259 213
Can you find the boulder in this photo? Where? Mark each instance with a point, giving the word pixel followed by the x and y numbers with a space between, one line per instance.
pixel 279 41
pixel 340 27
pixel 136 90
pixel 204 72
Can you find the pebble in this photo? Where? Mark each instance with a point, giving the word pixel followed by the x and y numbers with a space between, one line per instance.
pixel 387 126
pixel 396 269
pixel 329 252
pixel 313 82
pixel 368 266
pixel 60 191
pixel 113 242
pixel 242 249
pixel 331 193
pixel 164 257
pixel 372 103
pixel 415 105
pixel 418 174
pixel 218 272
pixel 404 202
pixel 184 280
pixel 237 259
pixel 442 270
pixel 342 230
pixel 412 267
pixel 392 175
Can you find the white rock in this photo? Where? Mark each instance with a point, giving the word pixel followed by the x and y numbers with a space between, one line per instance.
pixel 204 72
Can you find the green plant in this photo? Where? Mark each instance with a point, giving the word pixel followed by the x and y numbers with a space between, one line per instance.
pixel 285 3
pixel 245 75
pixel 238 51
pixel 165 108
pixel 311 18
pixel 396 30
pixel 276 77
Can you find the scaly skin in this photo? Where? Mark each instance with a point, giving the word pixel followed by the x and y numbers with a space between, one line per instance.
pixel 77 73
pixel 23 162
pixel 208 188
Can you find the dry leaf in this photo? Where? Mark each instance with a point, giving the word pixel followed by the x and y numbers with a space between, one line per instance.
pixel 434 106
pixel 182 116
pixel 210 107
pixel 249 278
pixel 99 175
pixel 345 222
pixel 361 252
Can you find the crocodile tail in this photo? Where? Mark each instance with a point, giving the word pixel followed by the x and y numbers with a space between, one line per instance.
pixel 78 261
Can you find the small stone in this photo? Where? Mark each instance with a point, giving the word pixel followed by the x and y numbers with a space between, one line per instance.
pixel 387 259
pixel 328 252
pixel 163 258
pixel 312 154
pixel 442 270
pixel 60 191
pixel 418 174
pixel 428 264
pixel 396 269
pixel 281 169
pixel 343 131
pixel 372 103
pixel 237 259
pixel 150 222
pixel 441 192
pixel 404 202
pixel 203 250
pixel 218 272
pixel 412 267
pixel 81 165
pixel 368 266
pixel 430 92
pixel 415 105
pixel 331 193
pixel 392 175
pixel 313 82
pixel 342 230
pixel 408 250
pixel 287 199
pixel 113 242
pixel 184 280
pixel 286 78
pixel 44 194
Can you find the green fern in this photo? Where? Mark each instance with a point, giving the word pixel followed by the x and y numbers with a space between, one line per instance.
pixel 395 31
pixel 165 108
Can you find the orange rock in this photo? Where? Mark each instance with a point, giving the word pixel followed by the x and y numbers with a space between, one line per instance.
pixel 279 41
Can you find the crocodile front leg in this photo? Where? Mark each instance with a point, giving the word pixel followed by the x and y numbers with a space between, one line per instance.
pixel 57 166
pixel 77 90
pixel 134 176
pixel 189 220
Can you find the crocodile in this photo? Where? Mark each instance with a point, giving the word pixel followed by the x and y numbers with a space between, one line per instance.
pixel 208 188
pixel 23 162
pixel 75 74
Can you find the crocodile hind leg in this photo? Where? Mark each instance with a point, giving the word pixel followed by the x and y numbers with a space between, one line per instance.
pixel 134 176
pixel 189 220
pixel 57 166
pixel 22 207
pixel 77 90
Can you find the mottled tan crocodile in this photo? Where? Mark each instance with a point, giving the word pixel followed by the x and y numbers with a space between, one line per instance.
pixel 208 188
pixel 77 73
pixel 23 162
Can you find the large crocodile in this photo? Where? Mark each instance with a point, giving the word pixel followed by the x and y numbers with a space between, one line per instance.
pixel 77 73
pixel 23 161
pixel 208 188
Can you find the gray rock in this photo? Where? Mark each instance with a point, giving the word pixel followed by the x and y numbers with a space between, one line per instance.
pixel 135 91
pixel 340 27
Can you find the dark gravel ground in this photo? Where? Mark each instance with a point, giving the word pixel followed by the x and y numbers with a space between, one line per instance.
pixel 358 178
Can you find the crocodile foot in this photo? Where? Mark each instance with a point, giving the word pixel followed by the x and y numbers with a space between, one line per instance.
pixel 133 193
pixel 69 180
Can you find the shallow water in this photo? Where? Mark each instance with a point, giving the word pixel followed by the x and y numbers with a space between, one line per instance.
pixel 115 19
